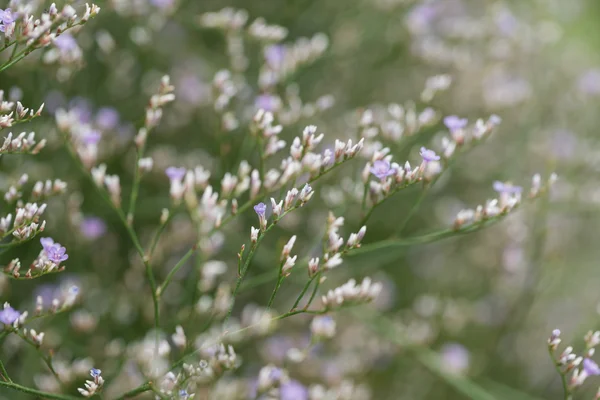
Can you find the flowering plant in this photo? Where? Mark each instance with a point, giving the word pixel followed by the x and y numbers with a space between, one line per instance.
pixel 228 231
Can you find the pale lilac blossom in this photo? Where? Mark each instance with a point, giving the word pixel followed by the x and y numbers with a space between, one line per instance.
pixel 454 123
pixel 6 19
pixel 175 173
pixel 268 102
pixel 65 42
pixel 9 315
pixel 502 187
pixel 590 367
pixel 107 118
pixel 92 227
pixel 429 155
pixel 54 251
pixel 293 390
pixel 92 138
pixel 382 169
pixel 260 209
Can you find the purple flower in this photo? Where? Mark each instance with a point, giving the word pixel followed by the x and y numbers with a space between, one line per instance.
pixel 589 82
pixel 82 108
pixel 92 227
pixel 455 357
pixel 268 102
pixel 590 367
pixel 175 173
pixel 381 169
pixel 65 42
pixel 260 209
pixel 454 123
pixel 275 374
pixel 293 390
pixel 54 251
pixel 107 118
pixel 57 253
pixel 46 243
pixel 9 315
pixel 162 3
pixel 183 394
pixel 6 18
pixel 274 55
pixel 91 138
pixel 429 155
pixel 94 372
pixel 506 22
pixel 507 188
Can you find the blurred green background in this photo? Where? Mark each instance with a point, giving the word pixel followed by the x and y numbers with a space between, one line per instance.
pixel 498 293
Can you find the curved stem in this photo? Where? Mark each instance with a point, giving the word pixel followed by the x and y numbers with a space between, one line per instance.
pixel 39 393
pixel 146 387
pixel 176 268
pixel 128 228
pixel 303 292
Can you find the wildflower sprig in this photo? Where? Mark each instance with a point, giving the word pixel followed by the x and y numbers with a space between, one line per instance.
pixel 294 199
pixel 11 114
pixel 580 367
pixel 37 33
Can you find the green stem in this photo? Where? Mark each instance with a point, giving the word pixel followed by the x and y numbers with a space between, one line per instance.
pixel 275 290
pixel 314 292
pixel 303 292
pixel 128 228
pixel 146 387
pixel 563 376
pixel 261 159
pixel 243 273
pixel 412 212
pixel 249 258
pixel 137 178
pixel 14 51
pixel 4 372
pixel 176 268
pixel 389 196
pixel 39 393
pixel 158 234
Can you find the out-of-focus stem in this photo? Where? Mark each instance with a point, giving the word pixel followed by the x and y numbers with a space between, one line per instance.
pixel 39 393
pixel 176 268
pixel 314 292
pixel 303 292
pixel 563 376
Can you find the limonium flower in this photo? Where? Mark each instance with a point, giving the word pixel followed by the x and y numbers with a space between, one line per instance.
pixel 95 372
pixel 268 102
pixel 507 188
pixel 9 315
pixel 260 209
pixel 381 169
pixel 92 137
pixel 293 390
pixel 92 227
pixel 454 123
pixel 54 251
pixel 429 155
pixel 175 173
pixel 162 3
pixel 274 55
pixel 6 18
pixel 590 367
pixel 65 42
pixel 107 118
